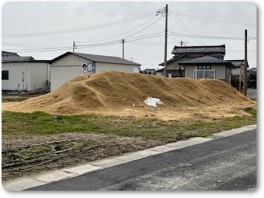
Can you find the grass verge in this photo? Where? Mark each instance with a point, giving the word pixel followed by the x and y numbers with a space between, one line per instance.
pixel 41 123
pixel 116 135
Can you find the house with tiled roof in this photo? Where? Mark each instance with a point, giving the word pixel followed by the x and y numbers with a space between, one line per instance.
pixel 199 62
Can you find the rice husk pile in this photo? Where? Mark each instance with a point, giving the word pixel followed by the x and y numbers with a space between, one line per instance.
pixel 118 91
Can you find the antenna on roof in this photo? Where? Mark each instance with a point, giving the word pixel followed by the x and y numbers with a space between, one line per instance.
pixel 74 46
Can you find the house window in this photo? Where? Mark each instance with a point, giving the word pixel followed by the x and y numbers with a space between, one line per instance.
pixel 198 74
pixel 5 75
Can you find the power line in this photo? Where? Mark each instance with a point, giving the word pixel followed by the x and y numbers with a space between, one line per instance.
pixel 78 29
pixel 132 39
pixel 184 27
pixel 121 35
pixel 169 21
pixel 143 28
pixel 213 19
pixel 211 37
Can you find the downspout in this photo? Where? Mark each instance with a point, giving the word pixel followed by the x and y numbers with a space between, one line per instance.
pixel 30 77
pixel 225 73
pixel 48 75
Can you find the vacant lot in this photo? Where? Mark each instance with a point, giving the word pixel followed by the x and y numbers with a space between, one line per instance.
pixel 95 116
pixel 35 142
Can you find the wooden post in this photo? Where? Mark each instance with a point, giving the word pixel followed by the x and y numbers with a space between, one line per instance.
pixel 240 78
pixel 166 35
pixel 245 66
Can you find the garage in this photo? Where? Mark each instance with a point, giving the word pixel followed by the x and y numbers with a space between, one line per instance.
pixel 70 65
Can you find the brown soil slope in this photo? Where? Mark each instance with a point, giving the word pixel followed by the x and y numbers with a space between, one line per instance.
pixel 116 91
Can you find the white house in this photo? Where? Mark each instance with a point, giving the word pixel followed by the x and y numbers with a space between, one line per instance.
pixel 70 65
pixel 20 73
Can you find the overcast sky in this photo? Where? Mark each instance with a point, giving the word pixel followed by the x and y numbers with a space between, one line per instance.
pixel 45 30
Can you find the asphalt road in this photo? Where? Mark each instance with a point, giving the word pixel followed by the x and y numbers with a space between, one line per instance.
pixel 226 164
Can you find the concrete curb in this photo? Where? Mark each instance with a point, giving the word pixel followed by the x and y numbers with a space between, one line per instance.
pixel 65 173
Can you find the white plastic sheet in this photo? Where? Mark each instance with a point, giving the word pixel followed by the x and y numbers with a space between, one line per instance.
pixel 152 101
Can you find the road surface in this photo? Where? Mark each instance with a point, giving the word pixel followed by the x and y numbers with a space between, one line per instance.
pixel 223 164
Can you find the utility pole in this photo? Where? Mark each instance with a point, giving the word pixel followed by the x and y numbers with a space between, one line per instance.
pixel 245 66
pixel 123 48
pixel 240 78
pixel 166 35
pixel 73 47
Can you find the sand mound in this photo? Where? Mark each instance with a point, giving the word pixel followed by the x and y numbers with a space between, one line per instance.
pixel 116 91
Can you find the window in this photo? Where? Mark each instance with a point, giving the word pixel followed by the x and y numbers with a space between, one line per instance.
pixel 5 75
pixel 197 74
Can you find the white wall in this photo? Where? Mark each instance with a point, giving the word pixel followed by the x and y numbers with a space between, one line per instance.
pixel 70 66
pixel 65 69
pixel 62 74
pixel 15 81
pixel 220 71
pixel 236 71
pixel 35 76
pixel 70 60
pixel 39 75
pixel 116 67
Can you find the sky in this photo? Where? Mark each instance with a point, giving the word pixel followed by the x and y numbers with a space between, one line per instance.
pixel 48 29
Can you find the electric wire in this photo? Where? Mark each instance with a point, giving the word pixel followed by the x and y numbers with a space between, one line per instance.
pixel 79 29
pixel 184 27
pixel 213 19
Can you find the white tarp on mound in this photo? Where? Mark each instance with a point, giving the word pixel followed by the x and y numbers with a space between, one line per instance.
pixel 152 101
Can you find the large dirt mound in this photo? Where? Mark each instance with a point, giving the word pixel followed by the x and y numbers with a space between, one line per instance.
pixel 116 91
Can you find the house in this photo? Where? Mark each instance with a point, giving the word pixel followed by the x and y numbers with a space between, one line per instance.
pixel 70 64
pixel 23 73
pixel 208 67
pixel 199 62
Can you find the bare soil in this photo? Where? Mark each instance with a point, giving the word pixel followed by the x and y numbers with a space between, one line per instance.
pixel 92 147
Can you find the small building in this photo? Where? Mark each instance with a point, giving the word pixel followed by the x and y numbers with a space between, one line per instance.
pixel 23 73
pixel 239 67
pixel 70 65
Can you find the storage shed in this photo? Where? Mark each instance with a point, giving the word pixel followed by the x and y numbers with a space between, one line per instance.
pixel 23 73
pixel 70 65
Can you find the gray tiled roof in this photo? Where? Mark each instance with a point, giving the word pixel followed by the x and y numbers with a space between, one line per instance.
pixel 106 59
pixel 199 49
pixel 175 58
pixel 237 63
pixel 205 59
pixel 9 59
pixel 5 53
pixel 99 58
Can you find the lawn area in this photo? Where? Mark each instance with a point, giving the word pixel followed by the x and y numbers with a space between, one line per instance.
pixel 40 123
pixel 36 142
